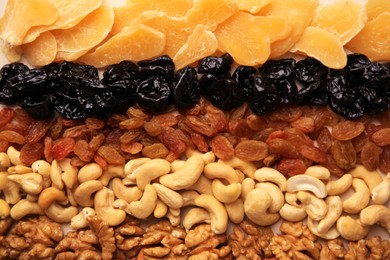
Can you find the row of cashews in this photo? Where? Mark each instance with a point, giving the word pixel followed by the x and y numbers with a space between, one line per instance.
pixel 212 191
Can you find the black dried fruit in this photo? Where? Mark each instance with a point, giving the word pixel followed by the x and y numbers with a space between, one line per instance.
pixel 38 107
pixel 264 96
pixel 68 107
pixel 162 66
pixel 279 69
pixel 154 94
pixel 10 70
pixel 244 75
pixel 206 81
pixel 287 90
pixel 186 92
pixel 31 82
pixel 225 94
pixel 351 111
pixel 216 65
pixel 375 100
pixel 310 70
pixel 123 70
pixel 377 75
pixel 340 87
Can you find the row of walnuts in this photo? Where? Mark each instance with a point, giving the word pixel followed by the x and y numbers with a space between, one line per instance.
pixel 41 238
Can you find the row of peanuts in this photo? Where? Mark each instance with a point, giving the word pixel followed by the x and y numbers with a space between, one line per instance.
pixel 212 191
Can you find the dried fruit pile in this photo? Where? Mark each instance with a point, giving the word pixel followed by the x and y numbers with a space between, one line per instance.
pixel 252 32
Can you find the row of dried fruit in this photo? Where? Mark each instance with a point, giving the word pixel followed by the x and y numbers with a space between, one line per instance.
pixel 41 238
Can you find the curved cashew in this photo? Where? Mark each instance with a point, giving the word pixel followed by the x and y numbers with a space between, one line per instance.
pixel 340 185
pixel 144 207
pixel 371 178
pixel 359 200
pixel 203 185
pixel 31 183
pixel 14 156
pixel 25 207
pixel 151 170
pixel 332 233
pixel 195 216
pixel 189 197
pixel 104 207
pixel 351 229
pixel 81 220
pixel 256 207
pixel 3 180
pixel 160 210
pixel 19 169
pixel 226 193
pixel 315 208
pixel 335 209
pixel 221 171
pixel 208 157
pixel 90 171
pixel 376 214
pixel 171 198
pixel 121 191
pixel 132 165
pixel 218 214
pixel 12 192
pixel 248 168
pixel 4 209
pixel 43 168
pixel 235 211
pixel 292 199
pixel 4 161
pixel 83 193
pixel 267 174
pixel 247 185
pixel 60 214
pixel 177 165
pixel 70 195
pixel 111 172
pixel 319 172
pixel 49 195
pixel 381 193
pixel 292 213
pixel 187 176
pixel 68 173
pixel 276 194
pixel 173 219
pixel 55 175
pixel 308 183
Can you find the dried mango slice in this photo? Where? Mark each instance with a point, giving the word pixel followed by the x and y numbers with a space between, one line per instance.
pixel 201 43
pixel 11 53
pixel 21 15
pixel 88 33
pixel 70 13
pixel 134 43
pixel 376 7
pixel 211 12
pixel 69 56
pixel 374 39
pixel 343 17
pixel 126 13
pixel 252 6
pixel 324 46
pixel 247 38
pixel 298 12
pixel 42 51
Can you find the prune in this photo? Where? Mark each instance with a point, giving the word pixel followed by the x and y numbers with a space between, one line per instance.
pixel 310 70
pixel 244 75
pixel 123 70
pixel 225 94
pixel 69 108
pixel 377 75
pixel 162 66
pixel 154 94
pixel 29 83
pixel 356 64
pixel 206 81
pixel 339 87
pixel 215 65
pixel 265 97
pixel 186 91
pixel 279 69
pixel 38 107
pixel 351 111
pixel 10 70
pixel 375 100
pixel 287 90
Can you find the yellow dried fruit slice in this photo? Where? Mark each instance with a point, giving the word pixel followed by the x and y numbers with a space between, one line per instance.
pixel 343 17
pixel 324 46
pixel 134 43
pixel 131 9
pixel 11 53
pixel 252 6
pixel 200 43
pixel 88 33
pixel 21 15
pixel 42 51
pixel 211 12
pixel 70 13
pixel 247 38
pixel 298 12
pixel 69 56
pixel 374 39
pixel 376 7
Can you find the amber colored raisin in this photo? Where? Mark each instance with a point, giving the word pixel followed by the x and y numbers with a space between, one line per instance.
pixel 12 137
pixel 36 131
pixel 251 150
pixel 238 112
pixel 216 117
pixel 381 137
pixel 101 161
pixel 283 147
pixel 6 115
pixel 297 137
pixel 312 153
pixel 20 122
pixel 75 161
pixel 185 137
pixel 132 148
pixel 200 125
pixel 96 142
pixel 270 160
pixel 56 128
pixel 370 156
pixel 240 128
pixel 170 138
pixel 384 164
pixel 359 141
pixel 273 134
pixel 324 116
pixel 110 155
pixel 71 122
pixel 291 167
pixel 200 142
pixel 324 139
pixel 222 148
pixel 157 150
pixel 131 123
pixel 371 128
pixel 172 156
pixel 136 112
pixel 255 122
pixel 286 113
pixel 3 146
pixel 344 154
pixel 304 124
pixel 47 151
pixel 31 153
pixel 152 128
pixel 82 150
pixel 115 119
pixel 130 136
pixel 165 120
pixel 347 130
pixel 62 147
pixel 75 131
pixel 94 123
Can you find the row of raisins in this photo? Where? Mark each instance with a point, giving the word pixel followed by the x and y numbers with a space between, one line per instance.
pixel 76 92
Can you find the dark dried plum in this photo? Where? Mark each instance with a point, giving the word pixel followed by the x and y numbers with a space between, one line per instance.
pixel 206 81
pixel 279 69
pixel 377 75
pixel 244 77
pixel 30 82
pixel 68 107
pixel 287 90
pixel 123 70
pixel 216 65
pixel 351 111
pixel 154 94
pixel 264 96
pixel 38 107
pixel 376 101
pixel 186 91
pixel 313 94
pixel 340 87
pixel 162 66
pixel 310 70
pixel 225 94
pixel 10 70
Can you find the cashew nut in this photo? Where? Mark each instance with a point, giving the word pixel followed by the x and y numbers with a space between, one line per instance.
pixel 121 191
pixel 248 184
pixel 132 165
pixel 332 233
pixel 203 185
pixel 292 213
pixel 90 171
pixel 173 219
pixel 195 216
pixel 11 192
pixel 381 193
pixel 267 174
pixel 208 157
pixel 221 171
pixel 160 210
pixel 315 208
pixel 83 193
pixel 49 195
pixel 308 183
pixel 43 168
pixel 292 199
pixel 25 207
pixel 3 180
pixel 371 178
pixel 256 207
pixel 111 172
pixel 144 207
pixel 248 168
pixel 61 214
pixel 4 161
pixel 376 214
pixel 55 175
pixel 340 185
pixel 218 214
pixel 151 170
pixel 335 209
pixel 171 198
pixel 189 197
pixel 235 211
pixel 359 200
pixel 81 220
pixel 31 183
pixel 226 193
pixel 68 173
pixel 4 209
pixel 319 172
pixel 276 194
pixel 177 165
pixel 19 169
pixel 104 207
pixel 351 229
pixel 185 177
pixel 14 156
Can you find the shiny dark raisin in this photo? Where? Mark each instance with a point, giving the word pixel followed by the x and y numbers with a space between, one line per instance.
pixel 10 70
pixel 38 107
pixel 186 91
pixel 310 70
pixel 340 88
pixel 244 77
pixel 279 69
pixel 162 66
pixel 351 111
pixel 264 96
pixel 287 89
pixel 154 94
pixel 67 107
pixel 225 94
pixel 215 65
pixel 377 75
pixel 31 82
